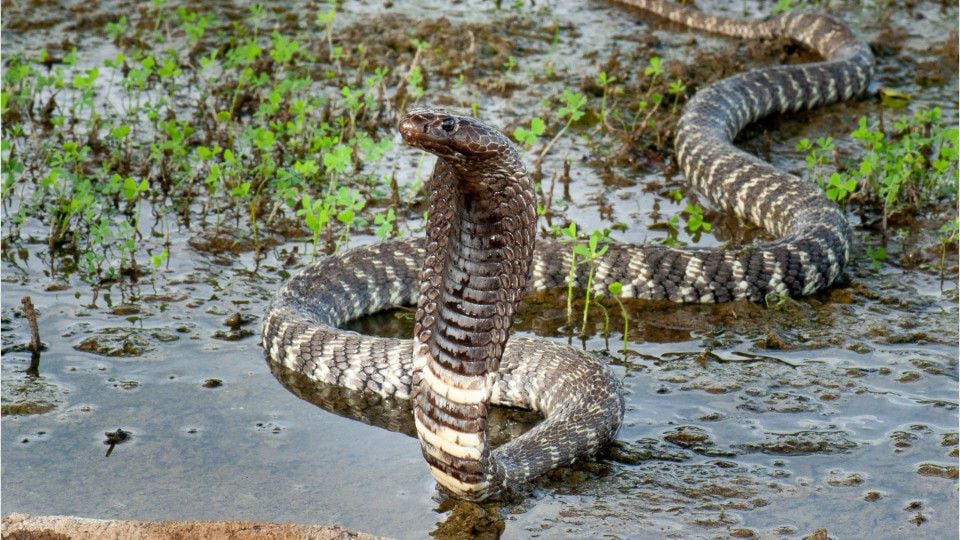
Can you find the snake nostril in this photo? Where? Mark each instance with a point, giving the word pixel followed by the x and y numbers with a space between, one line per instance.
pixel 425 127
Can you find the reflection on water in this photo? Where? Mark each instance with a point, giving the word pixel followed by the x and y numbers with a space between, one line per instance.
pixel 388 413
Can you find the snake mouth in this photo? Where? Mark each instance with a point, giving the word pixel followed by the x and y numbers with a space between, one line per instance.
pixel 410 126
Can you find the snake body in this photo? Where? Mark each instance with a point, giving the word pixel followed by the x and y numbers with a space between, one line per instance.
pixel 478 258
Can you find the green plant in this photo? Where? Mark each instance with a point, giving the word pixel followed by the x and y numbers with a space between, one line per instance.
pixel 616 288
pixel 948 234
pixel 258 137
pixel 819 153
pixel 650 101
pixel 595 248
pixel 350 203
pixel 572 110
pixel 325 20
pixel 676 89
pixel 606 82
pixel 527 137
pixel 908 167
pixel 912 166
pixel 316 214
pixel 598 302
pixel 695 222
pixel 654 69
pixel 415 81
pixel 569 234
pixel 672 227
pixel 840 187
pixel 783 6
pixel 385 223
pixel 877 256
pixel 282 48
pixel 156 261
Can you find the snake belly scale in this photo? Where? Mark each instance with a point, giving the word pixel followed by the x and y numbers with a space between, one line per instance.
pixel 479 256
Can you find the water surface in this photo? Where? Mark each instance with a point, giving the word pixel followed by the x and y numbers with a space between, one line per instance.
pixel 837 412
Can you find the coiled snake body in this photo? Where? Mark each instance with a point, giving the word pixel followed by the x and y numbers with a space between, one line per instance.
pixel 469 273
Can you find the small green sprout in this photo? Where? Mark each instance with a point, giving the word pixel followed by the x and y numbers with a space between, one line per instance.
pixel 839 187
pixel 156 261
pixel 695 222
pixel 877 256
pixel 616 288
pixel 596 247
pixel 385 223
pixel 527 137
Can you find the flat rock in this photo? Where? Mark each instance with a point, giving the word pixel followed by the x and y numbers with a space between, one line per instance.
pixel 27 527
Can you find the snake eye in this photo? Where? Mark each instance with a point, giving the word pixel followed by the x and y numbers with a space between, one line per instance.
pixel 447 124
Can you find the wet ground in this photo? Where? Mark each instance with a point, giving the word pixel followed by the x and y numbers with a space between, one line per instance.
pixel 836 412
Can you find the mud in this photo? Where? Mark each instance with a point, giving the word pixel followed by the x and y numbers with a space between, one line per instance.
pixel 26 527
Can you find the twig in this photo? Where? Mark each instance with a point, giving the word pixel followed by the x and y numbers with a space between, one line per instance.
pixel 539 162
pixel 35 346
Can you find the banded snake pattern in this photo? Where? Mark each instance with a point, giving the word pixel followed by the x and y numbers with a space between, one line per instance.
pixel 480 255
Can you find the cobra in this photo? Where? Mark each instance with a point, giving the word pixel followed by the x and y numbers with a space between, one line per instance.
pixel 480 256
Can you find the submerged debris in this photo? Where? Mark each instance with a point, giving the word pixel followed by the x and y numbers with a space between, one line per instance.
pixel 125 342
pixel 114 438
pixel 471 520
pixel 239 319
pixel 803 443
pixel 940 471
pixel 20 408
pixel 24 393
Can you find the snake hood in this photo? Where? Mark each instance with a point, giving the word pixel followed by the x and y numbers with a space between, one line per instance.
pixel 480 235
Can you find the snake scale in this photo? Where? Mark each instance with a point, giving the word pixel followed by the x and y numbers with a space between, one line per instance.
pixel 470 272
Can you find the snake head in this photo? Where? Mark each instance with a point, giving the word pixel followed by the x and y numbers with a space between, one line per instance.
pixel 454 137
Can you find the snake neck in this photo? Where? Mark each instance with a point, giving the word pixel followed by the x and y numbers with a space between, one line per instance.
pixel 480 238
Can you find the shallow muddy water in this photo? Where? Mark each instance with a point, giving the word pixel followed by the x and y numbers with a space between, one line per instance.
pixel 834 412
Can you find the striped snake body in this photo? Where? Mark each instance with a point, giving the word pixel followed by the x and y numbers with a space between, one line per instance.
pixel 479 256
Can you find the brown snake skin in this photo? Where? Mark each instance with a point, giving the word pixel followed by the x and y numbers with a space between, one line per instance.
pixel 478 258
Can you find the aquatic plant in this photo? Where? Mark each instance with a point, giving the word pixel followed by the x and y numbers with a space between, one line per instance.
pixel 676 89
pixel 527 137
pixel 595 247
pixel 615 289
pixel 911 165
pixel 696 224
pixel 606 82
pixel 570 112
pixel 949 234
pixel 569 234
pixel 257 139
pixel 650 101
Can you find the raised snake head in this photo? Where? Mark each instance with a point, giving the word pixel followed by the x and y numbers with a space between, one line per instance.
pixel 454 137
